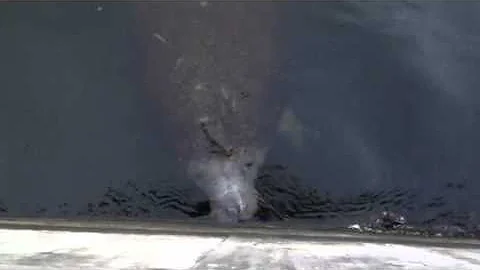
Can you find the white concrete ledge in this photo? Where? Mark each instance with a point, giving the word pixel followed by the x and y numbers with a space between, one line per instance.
pixel 41 249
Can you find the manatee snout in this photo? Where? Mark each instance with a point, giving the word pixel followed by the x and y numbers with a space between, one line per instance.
pixel 234 199
pixel 229 182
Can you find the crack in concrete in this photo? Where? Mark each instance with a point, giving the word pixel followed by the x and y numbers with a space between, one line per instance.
pixel 205 255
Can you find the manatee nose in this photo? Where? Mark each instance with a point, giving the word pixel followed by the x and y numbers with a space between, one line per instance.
pixel 229 186
pixel 226 214
pixel 232 212
pixel 236 203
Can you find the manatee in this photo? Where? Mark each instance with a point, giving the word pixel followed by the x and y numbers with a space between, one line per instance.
pixel 210 67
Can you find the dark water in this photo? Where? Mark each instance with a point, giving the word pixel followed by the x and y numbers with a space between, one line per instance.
pixel 380 112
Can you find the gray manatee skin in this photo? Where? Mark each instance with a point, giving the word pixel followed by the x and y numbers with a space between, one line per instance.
pixel 209 67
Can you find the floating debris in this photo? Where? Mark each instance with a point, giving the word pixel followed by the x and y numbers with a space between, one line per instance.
pixel 159 37
pixel 355 227
pixel 390 220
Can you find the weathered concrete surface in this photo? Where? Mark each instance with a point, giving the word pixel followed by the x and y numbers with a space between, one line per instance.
pixel 33 244
pixel 51 250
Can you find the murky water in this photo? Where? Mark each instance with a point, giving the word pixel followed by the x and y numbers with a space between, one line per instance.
pixel 378 111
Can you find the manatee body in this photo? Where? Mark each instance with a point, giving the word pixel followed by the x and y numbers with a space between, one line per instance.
pixel 210 67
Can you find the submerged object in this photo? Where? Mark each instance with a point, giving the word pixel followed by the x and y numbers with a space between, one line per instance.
pixel 210 69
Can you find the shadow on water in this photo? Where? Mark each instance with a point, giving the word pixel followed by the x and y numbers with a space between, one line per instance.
pixel 381 126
